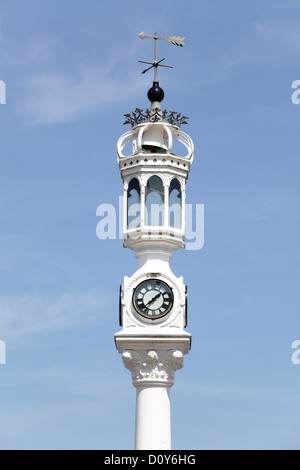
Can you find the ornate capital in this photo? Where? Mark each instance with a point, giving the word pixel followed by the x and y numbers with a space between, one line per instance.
pixel 153 367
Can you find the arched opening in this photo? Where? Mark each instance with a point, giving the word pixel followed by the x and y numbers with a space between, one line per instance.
pixel 154 202
pixel 133 204
pixel 175 204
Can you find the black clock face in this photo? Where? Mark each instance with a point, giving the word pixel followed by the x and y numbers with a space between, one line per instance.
pixel 153 299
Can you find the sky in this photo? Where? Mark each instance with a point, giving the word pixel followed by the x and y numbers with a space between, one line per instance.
pixel 71 72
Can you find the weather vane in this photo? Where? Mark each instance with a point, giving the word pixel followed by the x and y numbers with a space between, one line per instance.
pixel 176 40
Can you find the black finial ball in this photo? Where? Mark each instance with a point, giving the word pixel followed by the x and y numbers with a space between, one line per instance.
pixel 156 93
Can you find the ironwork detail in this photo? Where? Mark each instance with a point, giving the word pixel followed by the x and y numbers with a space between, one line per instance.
pixel 139 116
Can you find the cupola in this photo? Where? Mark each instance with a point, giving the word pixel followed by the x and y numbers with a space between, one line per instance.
pixel 154 174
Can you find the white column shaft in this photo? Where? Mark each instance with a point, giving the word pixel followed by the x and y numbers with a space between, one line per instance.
pixel 153 418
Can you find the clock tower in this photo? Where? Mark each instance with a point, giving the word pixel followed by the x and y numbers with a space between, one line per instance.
pixel 153 301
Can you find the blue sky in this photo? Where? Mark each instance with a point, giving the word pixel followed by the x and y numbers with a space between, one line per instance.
pixel 71 72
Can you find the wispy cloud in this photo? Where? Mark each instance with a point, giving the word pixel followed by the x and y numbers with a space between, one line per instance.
pixel 286 36
pixel 246 395
pixel 51 88
pixel 59 97
pixel 22 316
pixel 264 205
pixel 265 41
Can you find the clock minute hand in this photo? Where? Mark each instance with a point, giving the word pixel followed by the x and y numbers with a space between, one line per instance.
pixel 152 300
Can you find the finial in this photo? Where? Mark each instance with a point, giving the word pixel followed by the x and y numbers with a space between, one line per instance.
pixel 176 40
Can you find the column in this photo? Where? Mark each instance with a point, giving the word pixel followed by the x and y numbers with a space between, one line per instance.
pixel 142 206
pixel 153 417
pixel 166 206
pixel 153 375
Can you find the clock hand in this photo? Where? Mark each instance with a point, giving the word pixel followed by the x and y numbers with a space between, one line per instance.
pixel 152 300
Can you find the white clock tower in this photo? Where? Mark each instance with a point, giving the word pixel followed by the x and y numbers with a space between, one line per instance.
pixel 153 301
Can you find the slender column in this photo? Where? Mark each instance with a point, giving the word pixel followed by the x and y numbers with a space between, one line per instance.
pixel 153 376
pixel 125 209
pixel 166 206
pixel 142 206
pixel 153 417
pixel 183 196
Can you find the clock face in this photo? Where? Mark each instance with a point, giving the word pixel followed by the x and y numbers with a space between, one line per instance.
pixel 153 299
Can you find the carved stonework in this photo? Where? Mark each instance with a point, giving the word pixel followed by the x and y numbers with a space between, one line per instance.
pixel 153 368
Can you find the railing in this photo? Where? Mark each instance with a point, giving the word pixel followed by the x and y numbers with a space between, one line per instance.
pixel 135 135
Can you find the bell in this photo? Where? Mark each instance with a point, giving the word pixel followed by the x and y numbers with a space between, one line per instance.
pixel 155 140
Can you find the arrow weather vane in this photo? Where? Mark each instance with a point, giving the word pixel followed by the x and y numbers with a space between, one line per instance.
pixel 176 40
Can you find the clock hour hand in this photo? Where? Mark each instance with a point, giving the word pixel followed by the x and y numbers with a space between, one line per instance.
pixel 152 300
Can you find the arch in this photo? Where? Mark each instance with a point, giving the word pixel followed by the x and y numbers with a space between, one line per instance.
pixel 154 202
pixel 175 204
pixel 133 204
